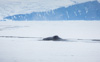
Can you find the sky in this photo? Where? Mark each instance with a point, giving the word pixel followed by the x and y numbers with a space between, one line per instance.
pixel 12 7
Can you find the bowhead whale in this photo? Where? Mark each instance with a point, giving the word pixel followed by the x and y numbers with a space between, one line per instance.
pixel 54 38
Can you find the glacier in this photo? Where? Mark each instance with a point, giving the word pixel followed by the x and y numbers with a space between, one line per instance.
pixel 17 7
pixel 83 11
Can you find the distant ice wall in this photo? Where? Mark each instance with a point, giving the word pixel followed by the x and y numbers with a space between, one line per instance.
pixel 13 7
pixel 83 11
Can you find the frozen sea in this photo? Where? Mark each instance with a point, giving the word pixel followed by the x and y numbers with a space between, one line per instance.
pixel 21 41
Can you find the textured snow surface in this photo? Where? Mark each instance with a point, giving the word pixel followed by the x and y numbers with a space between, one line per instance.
pixel 28 50
pixel 33 50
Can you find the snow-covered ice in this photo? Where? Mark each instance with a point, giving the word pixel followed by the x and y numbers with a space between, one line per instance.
pixel 65 29
pixel 14 49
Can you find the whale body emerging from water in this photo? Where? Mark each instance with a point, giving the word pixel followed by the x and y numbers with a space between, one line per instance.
pixel 54 38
